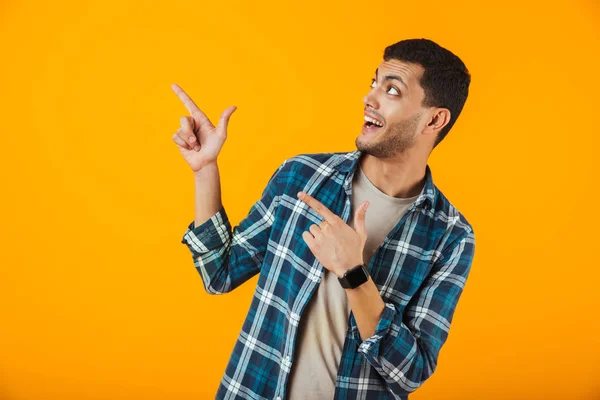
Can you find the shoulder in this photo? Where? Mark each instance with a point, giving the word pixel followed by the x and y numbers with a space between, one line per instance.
pixel 307 163
pixel 452 221
pixel 312 159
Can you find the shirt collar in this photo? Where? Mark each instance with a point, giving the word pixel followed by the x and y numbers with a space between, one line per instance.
pixel 348 162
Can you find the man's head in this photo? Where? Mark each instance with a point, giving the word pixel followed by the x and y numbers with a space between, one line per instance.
pixel 419 104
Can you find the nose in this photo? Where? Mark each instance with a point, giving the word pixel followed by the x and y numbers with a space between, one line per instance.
pixel 370 101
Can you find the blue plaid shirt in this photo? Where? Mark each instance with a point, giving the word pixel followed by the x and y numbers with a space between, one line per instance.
pixel 420 270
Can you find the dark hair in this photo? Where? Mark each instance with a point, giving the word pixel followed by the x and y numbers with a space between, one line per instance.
pixel 445 79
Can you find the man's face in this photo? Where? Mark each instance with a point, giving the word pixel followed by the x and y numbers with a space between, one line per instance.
pixel 397 104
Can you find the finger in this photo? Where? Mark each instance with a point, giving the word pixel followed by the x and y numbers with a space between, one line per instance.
pixel 191 140
pixel 187 128
pixel 360 212
pixel 187 123
pixel 324 226
pixel 359 218
pixel 180 142
pixel 309 239
pixel 318 207
pixel 316 231
pixel 224 121
pixel 190 105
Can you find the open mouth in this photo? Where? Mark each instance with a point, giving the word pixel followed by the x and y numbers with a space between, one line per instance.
pixel 371 125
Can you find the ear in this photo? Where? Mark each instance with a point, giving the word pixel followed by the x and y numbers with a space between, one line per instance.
pixel 439 118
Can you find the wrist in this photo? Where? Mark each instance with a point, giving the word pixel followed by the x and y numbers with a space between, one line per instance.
pixel 208 168
pixel 354 277
pixel 340 273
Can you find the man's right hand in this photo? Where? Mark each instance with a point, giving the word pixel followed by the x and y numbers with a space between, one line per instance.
pixel 198 139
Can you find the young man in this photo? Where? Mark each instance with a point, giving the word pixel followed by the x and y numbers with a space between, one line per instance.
pixel 351 302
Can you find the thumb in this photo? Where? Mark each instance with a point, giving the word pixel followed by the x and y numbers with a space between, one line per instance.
pixel 359 219
pixel 224 121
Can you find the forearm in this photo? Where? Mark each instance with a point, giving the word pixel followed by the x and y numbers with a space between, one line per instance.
pixel 207 193
pixel 226 257
pixel 367 306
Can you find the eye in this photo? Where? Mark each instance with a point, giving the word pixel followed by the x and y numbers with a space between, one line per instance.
pixel 391 87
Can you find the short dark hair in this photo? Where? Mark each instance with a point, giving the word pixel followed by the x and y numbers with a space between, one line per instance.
pixel 445 79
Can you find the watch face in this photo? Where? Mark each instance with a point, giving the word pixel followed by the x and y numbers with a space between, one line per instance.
pixel 357 277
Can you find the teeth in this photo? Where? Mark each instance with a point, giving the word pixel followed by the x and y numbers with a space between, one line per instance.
pixel 373 121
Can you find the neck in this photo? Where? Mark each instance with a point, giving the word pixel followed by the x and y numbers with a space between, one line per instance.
pixel 401 176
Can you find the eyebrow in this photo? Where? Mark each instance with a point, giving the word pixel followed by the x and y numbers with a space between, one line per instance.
pixel 391 77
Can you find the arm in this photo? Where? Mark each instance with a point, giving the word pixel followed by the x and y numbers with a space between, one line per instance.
pixel 207 183
pixel 404 350
pixel 224 258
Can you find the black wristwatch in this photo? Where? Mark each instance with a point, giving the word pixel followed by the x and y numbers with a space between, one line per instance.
pixel 354 277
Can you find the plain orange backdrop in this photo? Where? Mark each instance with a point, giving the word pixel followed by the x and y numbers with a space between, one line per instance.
pixel 100 300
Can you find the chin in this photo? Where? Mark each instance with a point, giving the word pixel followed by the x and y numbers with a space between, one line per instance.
pixel 363 144
pixel 368 138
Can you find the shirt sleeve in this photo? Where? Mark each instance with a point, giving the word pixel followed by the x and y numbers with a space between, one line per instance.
pixel 404 350
pixel 226 258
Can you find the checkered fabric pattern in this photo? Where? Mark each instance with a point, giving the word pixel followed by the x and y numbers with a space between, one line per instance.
pixel 420 270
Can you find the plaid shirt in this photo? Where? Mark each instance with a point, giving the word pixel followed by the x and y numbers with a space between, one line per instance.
pixel 420 270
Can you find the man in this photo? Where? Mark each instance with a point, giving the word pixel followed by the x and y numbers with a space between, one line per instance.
pixel 350 302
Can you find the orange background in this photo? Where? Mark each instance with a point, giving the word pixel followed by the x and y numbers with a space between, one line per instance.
pixel 100 300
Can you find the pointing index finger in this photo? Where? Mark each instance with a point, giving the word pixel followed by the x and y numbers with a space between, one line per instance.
pixel 189 104
pixel 318 207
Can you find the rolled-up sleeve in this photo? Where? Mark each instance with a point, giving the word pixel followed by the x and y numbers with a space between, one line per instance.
pixel 226 258
pixel 405 346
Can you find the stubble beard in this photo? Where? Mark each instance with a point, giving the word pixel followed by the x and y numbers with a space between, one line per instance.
pixel 398 138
